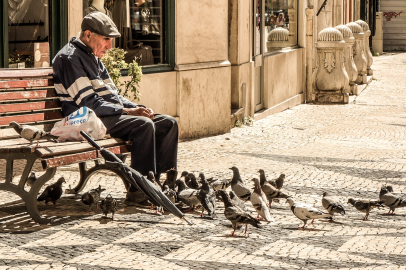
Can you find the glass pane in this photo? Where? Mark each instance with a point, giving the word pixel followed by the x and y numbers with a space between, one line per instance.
pixel 140 23
pixel 28 33
pixel 257 27
pixel 280 24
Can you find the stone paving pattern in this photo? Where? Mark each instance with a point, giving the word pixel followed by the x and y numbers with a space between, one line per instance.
pixel 347 150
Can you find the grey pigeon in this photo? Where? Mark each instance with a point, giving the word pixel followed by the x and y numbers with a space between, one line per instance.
pixel 192 183
pixel 92 197
pixel 271 192
pixel 170 193
pixel 388 188
pixel 31 179
pixel 237 201
pixel 109 205
pixel 332 205
pixel 236 215
pixel 32 133
pixel 52 193
pixel 219 184
pixel 151 178
pixel 207 198
pixel 391 200
pixel 365 206
pixel 170 178
pixel 259 202
pixel 277 183
pixel 186 195
pixel 304 212
pixel 237 185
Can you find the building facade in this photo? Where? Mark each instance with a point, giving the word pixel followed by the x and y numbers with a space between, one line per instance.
pixel 208 63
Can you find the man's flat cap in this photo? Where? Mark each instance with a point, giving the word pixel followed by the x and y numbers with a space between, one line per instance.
pixel 101 24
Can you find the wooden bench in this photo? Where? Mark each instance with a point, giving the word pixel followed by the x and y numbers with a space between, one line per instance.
pixel 28 96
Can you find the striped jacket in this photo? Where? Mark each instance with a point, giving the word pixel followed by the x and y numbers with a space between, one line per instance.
pixel 81 80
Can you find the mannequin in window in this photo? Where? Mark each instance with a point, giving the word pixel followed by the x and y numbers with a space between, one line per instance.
pixel 96 5
pixel 280 21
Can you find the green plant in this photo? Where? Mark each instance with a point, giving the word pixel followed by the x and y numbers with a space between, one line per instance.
pixel 114 62
pixel 238 124
pixel 375 53
pixel 248 121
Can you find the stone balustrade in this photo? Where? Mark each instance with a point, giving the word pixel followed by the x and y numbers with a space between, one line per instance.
pixel 278 38
pixel 358 52
pixel 367 51
pixel 330 78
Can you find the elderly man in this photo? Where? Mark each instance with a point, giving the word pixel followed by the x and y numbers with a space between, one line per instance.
pixel 81 79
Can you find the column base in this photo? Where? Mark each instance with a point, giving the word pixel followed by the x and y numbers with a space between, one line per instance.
pixel 361 79
pixel 354 89
pixel 370 72
pixel 332 98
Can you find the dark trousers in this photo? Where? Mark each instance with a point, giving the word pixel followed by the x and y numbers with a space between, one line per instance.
pixel 155 142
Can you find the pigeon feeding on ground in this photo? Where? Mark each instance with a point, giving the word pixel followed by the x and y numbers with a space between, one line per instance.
pixel 170 178
pixel 237 201
pixel 92 196
pixel 31 179
pixel 277 183
pixel 32 133
pixel 304 212
pixel 207 198
pixel 259 202
pixel 186 195
pixel 391 200
pixel 332 205
pixel 218 184
pixel 170 193
pixel 192 183
pixel 365 206
pixel 237 185
pixel 152 179
pixel 109 205
pixel 271 192
pixel 52 192
pixel 236 215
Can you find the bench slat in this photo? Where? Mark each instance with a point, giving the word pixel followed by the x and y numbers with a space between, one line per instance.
pixel 16 95
pixel 24 73
pixel 25 83
pixel 26 88
pixel 48 123
pixel 61 149
pixel 17 107
pixel 80 157
pixel 5 120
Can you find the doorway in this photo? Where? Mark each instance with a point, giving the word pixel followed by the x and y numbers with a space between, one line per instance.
pixel 257 52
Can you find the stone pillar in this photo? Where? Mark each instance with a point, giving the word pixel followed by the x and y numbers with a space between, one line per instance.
pixel 367 51
pixel 278 38
pixel 330 78
pixel 358 52
pixel 349 64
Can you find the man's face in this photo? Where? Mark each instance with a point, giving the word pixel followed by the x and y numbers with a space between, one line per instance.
pixel 99 44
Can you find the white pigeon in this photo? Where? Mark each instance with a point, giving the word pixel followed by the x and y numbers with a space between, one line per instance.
pixel 304 212
pixel 259 201
pixel 31 179
pixel 32 133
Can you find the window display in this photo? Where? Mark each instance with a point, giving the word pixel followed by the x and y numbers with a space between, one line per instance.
pixel 140 23
pixel 280 24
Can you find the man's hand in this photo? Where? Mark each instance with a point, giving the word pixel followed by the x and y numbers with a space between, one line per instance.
pixel 139 111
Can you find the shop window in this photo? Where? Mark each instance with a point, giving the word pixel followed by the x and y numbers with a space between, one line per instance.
pixel 142 27
pixel 280 29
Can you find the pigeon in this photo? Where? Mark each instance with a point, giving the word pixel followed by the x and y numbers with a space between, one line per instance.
pixel 389 188
pixel 271 192
pixel 192 183
pixel 151 178
pixel 237 185
pixel 304 212
pixel 92 196
pixel 171 178
pixel 109 205
pixel 391 200
pixel 237 202
pixel 219 184
pixel 186 195
pixel 170 193
pixel 31 179
pixel 236 215
pixel 365 206
pixel 277 183
pixel 32 133
pixel 52 192
pixel 258 200
pixel 332 205
pixel 207 198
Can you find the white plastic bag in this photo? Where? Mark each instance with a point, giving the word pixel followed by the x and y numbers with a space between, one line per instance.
pixel 83 119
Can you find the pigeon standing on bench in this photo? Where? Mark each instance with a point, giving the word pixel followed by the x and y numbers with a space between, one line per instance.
pixel 52 192
pixel 31 179
pixel 32 133
pixel 92 196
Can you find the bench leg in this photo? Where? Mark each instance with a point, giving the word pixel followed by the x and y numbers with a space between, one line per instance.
pixel 85 175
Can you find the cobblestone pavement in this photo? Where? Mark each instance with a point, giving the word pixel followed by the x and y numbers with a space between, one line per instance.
pixel 347 150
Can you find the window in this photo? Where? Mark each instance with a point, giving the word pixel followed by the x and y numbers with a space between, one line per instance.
pixel 280 24
pixel 143 25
